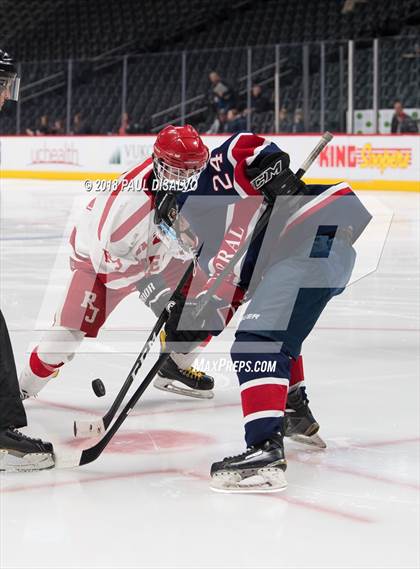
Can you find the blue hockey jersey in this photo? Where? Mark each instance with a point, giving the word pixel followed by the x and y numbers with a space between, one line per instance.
pixel 225 207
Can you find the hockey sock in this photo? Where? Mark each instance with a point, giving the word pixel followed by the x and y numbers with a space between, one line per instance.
pixel 264 380
pixel 55 349
pixel 37 374
pixel 40 368
pixel 297 376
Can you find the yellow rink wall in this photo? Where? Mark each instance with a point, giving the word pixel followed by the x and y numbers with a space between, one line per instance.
pixel 382 162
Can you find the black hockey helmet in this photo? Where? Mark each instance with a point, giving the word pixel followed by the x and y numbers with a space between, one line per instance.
pixel 8 76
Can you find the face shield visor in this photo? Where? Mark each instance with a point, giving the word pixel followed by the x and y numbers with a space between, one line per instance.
pixel 11 84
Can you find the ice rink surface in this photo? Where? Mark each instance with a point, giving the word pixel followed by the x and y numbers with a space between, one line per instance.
pixel 146 502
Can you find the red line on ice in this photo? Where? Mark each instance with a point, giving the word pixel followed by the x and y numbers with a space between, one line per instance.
pixel 106 477
pixel 390 442
pixel 121 476
pixel 99 412
pixel 304 504
pixel 319 508
pixel 360 474
pixel 377 477
pixel 66 407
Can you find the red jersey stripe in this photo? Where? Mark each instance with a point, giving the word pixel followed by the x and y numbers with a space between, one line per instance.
pixel 131 222
pixel 244 148
pixel 129 176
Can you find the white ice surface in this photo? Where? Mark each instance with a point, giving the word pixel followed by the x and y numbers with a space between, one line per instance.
pixel 146 502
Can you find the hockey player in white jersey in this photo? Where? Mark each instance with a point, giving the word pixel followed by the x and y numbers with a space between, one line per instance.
pixel 119 247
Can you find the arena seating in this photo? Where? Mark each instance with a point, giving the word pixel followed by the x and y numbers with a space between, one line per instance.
pixel 98 32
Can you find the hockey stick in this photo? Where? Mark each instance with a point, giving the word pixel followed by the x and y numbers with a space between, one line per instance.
pixel 97 427
pixel 90 454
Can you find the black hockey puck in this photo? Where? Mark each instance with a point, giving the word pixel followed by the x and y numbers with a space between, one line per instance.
pixel 98 387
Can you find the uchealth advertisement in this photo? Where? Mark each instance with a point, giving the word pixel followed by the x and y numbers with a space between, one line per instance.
pixel 367 161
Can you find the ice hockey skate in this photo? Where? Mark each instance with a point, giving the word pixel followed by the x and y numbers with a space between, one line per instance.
pixel 190 381
pixel 178 375
pixel 259 469
pixel 300 424
pixel 20 453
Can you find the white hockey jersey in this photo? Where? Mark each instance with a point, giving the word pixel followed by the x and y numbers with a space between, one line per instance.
pixel 116 236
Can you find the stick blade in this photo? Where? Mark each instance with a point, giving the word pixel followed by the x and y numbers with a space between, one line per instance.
pixel 92 453
pixel 63 458
pixel 85 429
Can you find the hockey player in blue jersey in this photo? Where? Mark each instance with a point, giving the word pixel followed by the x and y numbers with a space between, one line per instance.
pixel 288 275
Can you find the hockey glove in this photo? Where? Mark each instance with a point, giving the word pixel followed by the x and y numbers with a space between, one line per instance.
pixel 155 293
pixel 189 326
pixel 192 328
pixel 273 177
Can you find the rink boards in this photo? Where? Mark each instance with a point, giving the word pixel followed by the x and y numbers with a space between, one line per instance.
pixel 382 162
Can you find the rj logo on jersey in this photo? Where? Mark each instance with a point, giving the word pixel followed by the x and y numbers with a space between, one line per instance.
pixel 88 301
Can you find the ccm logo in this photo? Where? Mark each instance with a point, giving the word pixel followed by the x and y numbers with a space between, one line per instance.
pixel 267 175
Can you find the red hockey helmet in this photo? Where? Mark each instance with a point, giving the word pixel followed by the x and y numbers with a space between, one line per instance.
pixel 179 153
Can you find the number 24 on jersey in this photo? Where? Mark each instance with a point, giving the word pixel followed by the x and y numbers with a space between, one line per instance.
pixel 220 182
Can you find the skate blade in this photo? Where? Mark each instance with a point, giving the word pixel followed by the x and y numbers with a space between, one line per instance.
pixel 267 480
pixel 313 441
pixel 26 463
pixel 170 387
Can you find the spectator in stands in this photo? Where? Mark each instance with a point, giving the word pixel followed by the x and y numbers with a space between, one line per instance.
pixel 57 127
pixel 401 122
pixel 284 122
pixel 218 125
pixel 44 126
pixel 235 121
pixel 259 103
pixel 221 95
pixel 298 125
pixel 41 129
pixel 80 126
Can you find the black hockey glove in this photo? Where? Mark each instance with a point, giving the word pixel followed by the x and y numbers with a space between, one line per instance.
pixel 193 330
pixel 273 178
pixel 155 293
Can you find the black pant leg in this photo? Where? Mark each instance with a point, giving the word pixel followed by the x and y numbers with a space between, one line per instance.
pixel 12 412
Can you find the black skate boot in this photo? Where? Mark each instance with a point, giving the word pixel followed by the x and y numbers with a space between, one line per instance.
pixel 190 381
pixel 19 453
pixel 300 424
pixel 259 469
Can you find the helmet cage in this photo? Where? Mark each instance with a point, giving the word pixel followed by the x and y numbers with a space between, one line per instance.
pixel 173 178
pixel 10 83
